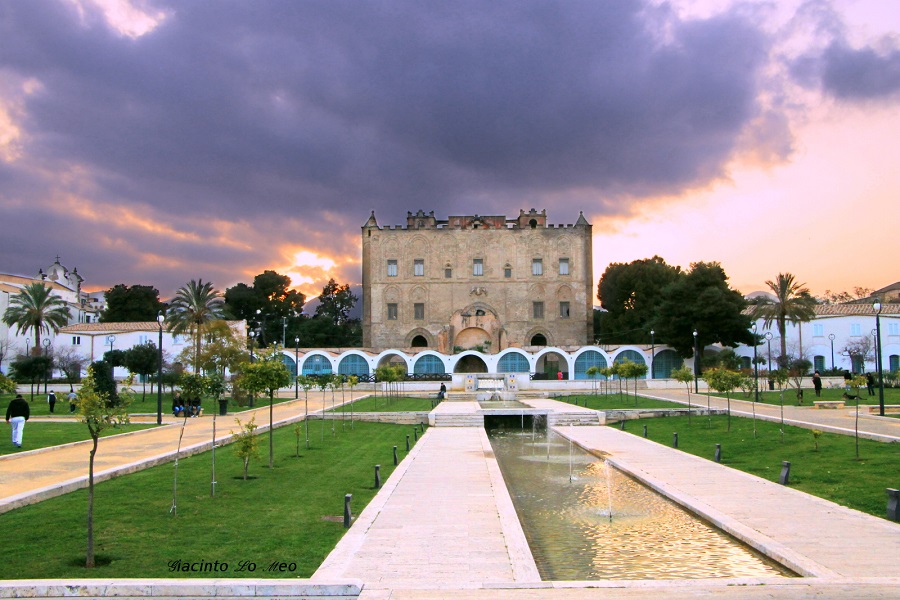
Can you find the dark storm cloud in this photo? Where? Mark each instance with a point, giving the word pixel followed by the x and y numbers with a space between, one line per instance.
pixel 852 73
pixel 329 109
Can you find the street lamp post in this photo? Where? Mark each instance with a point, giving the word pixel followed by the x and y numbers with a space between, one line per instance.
pixel 877 307
pixel 159 321
pixel 769 342
pixel 46 343
pixel 296 367
pixel 110 339
pixel 652 352
pixel 831 337
pixel 696 365
pixel 755 366
pixel 251 333
pixel 283 331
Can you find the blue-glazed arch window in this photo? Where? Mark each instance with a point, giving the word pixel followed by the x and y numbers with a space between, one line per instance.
pixel 513 363
pixel 316 365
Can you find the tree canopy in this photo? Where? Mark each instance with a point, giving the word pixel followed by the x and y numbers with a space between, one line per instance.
pixel 127 304
pixel 701 300
pixel 630 293
pixel 793 304
pixel 196 305
pixel 279 306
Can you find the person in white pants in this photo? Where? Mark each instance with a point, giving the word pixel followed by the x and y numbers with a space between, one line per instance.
pixel 17 413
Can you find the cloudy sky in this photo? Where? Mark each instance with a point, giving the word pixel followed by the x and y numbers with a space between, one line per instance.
pixel 153 142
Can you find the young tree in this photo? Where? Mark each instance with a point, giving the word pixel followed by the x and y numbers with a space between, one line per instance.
pixel 38 310
pixel 70 362
pixel 723 381
pixel 142 359
pixel 137 303
pixel 195 306
pixel 99 413
pixel 631 370
pixel 266 375
pixel 307 383
pixel 246 443
pixel 780 378
pixel 593 372
pixel 793 304
pixel 685 375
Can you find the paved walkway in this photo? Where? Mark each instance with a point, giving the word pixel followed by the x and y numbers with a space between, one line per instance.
pixel 29 477
pixel 445 520
pixel 885 429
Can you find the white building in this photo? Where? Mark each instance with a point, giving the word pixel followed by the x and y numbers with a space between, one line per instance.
pixel 92 340
pixel 83 307
pixel 824 341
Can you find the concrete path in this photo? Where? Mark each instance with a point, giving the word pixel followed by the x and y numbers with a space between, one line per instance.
pixel 28 477
pixel 445 520
pixel 884 429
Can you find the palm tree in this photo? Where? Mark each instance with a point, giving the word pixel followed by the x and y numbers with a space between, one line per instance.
pixel 195 306
pixel 793 303
pixel 36 309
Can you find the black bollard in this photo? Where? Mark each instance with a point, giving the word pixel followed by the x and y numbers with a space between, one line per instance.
pixel 718 452
pixel 416 434
pixel 395 456
pixel 675 439
pixel 785 473
pixel 622 424
pixel 407 443
pixel 347 515
pixel 377 476
pixel 893 504
pixel 645 431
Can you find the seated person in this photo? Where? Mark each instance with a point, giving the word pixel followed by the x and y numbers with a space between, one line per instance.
pixel 195 407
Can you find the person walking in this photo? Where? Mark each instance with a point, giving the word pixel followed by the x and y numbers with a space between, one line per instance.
pixel 51 399
pixel 17 413
pixel 73 399
pixel 870 384
pixel 817 384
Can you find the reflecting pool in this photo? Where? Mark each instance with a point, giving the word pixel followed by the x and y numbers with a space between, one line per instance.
pixel 584 520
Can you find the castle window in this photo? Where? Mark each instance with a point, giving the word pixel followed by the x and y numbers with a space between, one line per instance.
pixel 478 267
pixel 392 312
pixel 419 267
pixel 537 266
pixel 448 273
pixel 564 266
pixel 563 310
pixel 419 311
pixel 537 310
pixel 507 271
pixel 392 268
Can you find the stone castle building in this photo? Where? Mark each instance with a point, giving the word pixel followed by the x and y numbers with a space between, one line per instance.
pixel 477 282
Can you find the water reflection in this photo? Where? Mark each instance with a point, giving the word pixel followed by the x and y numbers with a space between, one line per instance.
pixel 586 521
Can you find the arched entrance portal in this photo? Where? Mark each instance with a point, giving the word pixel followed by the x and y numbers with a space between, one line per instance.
pixel 470 364
pixel 550 365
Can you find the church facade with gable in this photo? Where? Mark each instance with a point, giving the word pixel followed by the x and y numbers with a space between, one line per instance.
pixel 477 282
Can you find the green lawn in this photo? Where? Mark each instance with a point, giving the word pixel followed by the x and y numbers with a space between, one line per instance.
pixel 290 514
pixel 390 404
pixel 42 435
pixel 831 472
pixel 891 396
pixel 617 401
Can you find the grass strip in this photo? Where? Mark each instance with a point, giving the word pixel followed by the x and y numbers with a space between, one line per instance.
pixel 823 464
pixel 617 402
pixel 43 435
pixel 291 513
pixel 390 404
